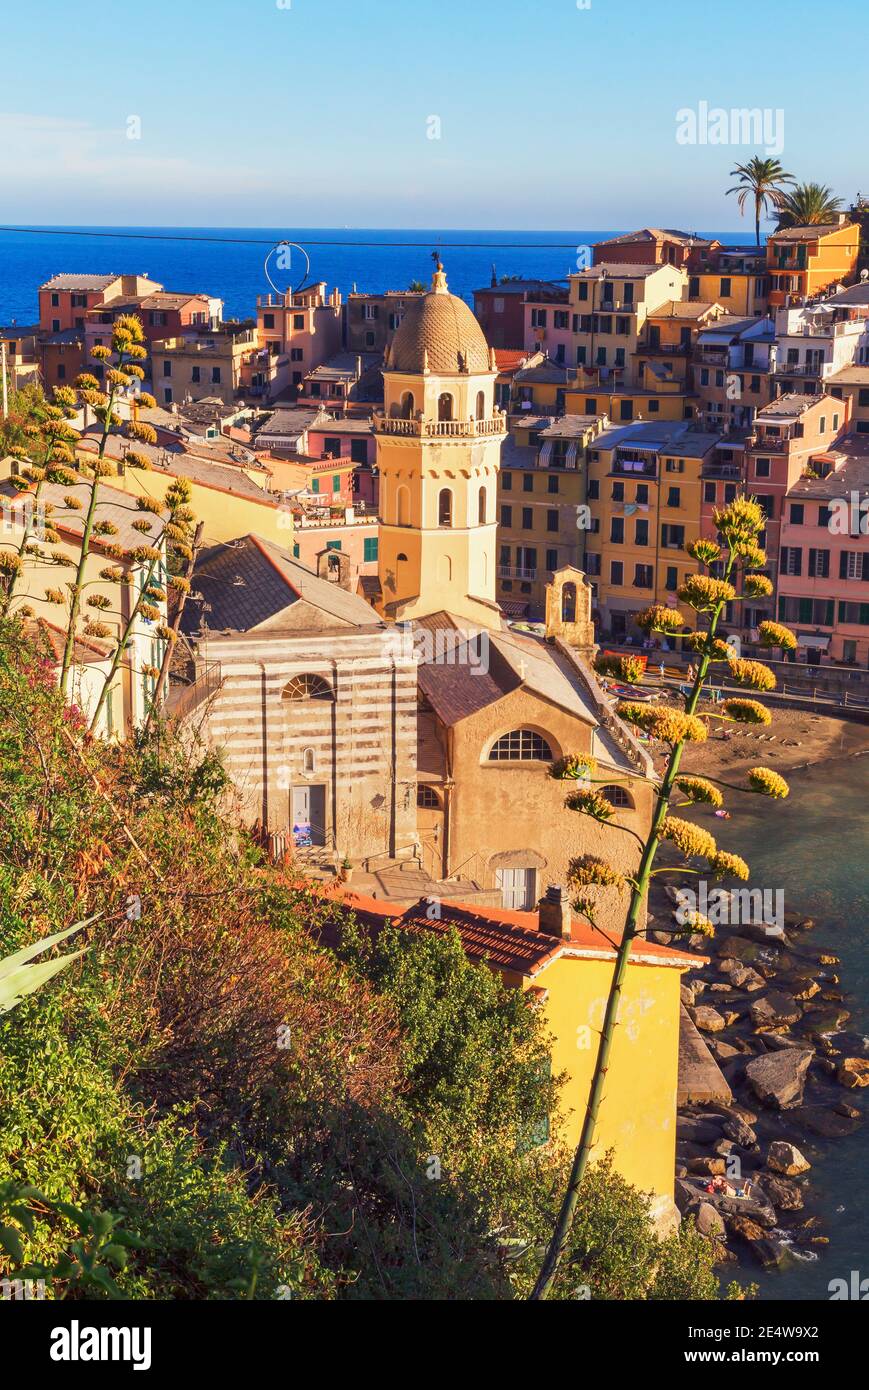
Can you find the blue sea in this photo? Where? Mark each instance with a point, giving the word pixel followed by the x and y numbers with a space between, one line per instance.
pixel 229 261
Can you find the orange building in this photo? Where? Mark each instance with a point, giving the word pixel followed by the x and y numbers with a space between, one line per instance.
pixel 802 261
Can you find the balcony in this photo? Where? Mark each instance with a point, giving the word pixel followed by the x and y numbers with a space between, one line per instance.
pixel 729 472
pixel 516 572
pixel 441 429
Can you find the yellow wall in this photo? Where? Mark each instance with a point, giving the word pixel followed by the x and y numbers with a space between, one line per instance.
pixel 226 515
pixel 638 1114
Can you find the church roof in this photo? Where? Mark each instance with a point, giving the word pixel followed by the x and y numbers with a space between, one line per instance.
pixel 439 333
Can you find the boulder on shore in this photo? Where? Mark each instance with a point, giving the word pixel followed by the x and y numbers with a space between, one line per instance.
pixel 786 1196
pixel 775 1010
pixel 707 1019
pixel 786 1158
pixel 777 1078
pixel 853 1072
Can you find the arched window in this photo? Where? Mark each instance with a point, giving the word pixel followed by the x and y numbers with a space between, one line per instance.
pixel 402 498
pixel 445 406
pixel 400 556
pixel 481 508
pixel 617 796
pixel 520 746
pixel 481 405
pixel 406 407
pixel 427 798
pixel 445 507
pixel 568 603
pixel 308 761
pixel 307 687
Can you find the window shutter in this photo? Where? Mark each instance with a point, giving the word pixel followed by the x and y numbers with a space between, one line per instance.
pixel 843 564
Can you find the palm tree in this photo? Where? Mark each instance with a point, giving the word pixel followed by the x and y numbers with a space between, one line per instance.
pixel 808 204
pixel 763 181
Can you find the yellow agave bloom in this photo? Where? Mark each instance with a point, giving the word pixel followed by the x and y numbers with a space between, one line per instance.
pixel 99 601
pixel 591 803
pixel 725 865
pixel 714 647
pixel 752 673
pixel 662 722
pixel 94 629
pixel 134 460
pixel 768 783
pixel 690 839
pixel 700 789
pixel 699 924
pixel 775 635
pixel 588 870
pixel 147 401
pixel 145 434
pixel 572 768
pixel 741 515
pixel 704 550
pixel 703 593
pixel 757 586
pixel 746 712
pixel 659 618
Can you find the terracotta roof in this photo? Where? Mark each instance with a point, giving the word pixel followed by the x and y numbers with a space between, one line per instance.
pixel 506 939
pixel 656 234
pixel 439 329
pixel 509 359
pixel 682 309
pixel 809 233
pixel 78 282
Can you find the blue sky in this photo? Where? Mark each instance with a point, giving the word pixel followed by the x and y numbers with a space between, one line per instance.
pixel 317 112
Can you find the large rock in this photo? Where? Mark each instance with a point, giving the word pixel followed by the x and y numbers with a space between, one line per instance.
pixel 853 1072
pixel 777 1079
pixel 707 1019
pixel 738 948
pixel 709 1221
pixel 775 1010
pixel 741 1133
pixel 786 1196
pixel 741 976
pixel 786 1158
pixel 799 983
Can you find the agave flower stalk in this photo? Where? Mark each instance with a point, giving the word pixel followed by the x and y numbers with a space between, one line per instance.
pixel 127 340
pixel 738 526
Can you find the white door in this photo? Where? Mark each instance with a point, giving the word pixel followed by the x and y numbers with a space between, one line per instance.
pixel 517 888
pixel 309 815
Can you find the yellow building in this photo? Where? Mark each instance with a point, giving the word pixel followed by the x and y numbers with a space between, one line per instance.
pixel 645 490
pixel 802 261
pixel 609 306
pixel 438 446
pixel 566 966
pixel 541 507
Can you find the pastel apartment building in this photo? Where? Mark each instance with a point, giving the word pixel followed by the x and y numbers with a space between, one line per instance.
pixel 644 490
pixel 500 307
pixel 731 367
pixel 816 341
pixel 651 246
pixel 823 589
pixel 301 330
pixel 371 320
pixel 733 276
pixel 200 365
pixel 541 490
pixel 64 300
pixel 601 328
pixel 786 435
pixel 804 261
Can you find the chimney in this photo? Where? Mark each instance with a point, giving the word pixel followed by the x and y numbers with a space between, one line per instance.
pixel 554 913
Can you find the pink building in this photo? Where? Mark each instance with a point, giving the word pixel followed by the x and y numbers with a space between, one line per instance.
pixel 823 590
pixel 301 330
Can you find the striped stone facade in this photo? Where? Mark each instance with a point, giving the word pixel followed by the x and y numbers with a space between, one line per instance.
pixel 354 749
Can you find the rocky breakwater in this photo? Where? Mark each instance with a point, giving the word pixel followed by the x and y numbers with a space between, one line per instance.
pixel 771 1012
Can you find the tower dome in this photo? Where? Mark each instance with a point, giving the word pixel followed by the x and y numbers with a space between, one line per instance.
pixel 439 333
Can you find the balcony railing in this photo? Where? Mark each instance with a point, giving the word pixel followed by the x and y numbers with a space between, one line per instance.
pixel 516 572
pixel 441 429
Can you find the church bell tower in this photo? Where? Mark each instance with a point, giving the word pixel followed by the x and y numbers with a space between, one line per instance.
pixel 438 452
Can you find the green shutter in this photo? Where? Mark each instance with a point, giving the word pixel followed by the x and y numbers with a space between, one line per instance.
pixel 336 482
pixel 333 545
pixel 315 484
